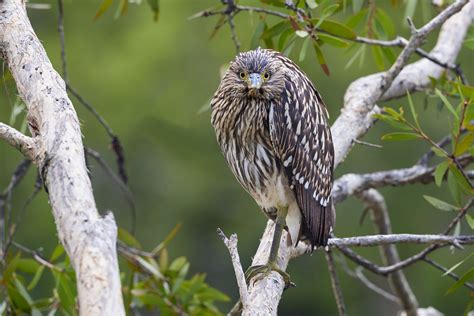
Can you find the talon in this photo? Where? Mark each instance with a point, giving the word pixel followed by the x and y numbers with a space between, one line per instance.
pixel 264 270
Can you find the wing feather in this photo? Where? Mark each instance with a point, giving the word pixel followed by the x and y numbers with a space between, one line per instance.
pixel 302 140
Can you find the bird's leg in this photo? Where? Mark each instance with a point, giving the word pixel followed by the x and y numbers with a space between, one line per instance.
pixel 272 264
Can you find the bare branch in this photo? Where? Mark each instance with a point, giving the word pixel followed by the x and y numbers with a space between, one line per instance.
pixel 373 200
pixel 231 244
pixel 336 287
pixel 26 145
pixel 350 184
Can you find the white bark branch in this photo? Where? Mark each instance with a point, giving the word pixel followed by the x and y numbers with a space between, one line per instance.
pixel 350 183
pixel 231 244
pixel 89 239
pixel 25 144
pixel 354 121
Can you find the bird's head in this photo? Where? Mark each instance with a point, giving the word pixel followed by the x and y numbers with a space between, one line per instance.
pixel 256 74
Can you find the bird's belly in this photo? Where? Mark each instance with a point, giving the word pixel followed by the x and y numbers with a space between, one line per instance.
pixel 260 175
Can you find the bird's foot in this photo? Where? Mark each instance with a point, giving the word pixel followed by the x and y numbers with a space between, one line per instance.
pixel 264 270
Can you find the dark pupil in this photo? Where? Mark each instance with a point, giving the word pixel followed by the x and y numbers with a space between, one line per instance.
pixel 242 75
pixel 266 76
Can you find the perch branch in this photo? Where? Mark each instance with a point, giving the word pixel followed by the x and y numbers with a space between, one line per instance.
pixel 88 238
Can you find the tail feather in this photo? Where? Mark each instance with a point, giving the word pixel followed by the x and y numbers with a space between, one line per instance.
pixel 317 224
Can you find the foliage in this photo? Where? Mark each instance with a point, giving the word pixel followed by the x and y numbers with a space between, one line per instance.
pixel 150 281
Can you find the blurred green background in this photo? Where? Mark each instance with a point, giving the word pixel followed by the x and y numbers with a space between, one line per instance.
pixel 149 80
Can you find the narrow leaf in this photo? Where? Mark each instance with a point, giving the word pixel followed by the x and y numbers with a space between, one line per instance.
pixel 103 7
pixel 400 136
pixel 304 48
pixel 470 221
pixel 321 59
pixel 412 109
pixel 440 205
pixel 466 277
pixel 155 8
pixel 333 41
pixel 454 267
pixel 447 103
pixel 440 172
pixel 335 28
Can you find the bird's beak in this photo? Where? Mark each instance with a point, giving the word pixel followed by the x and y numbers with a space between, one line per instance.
pixel 255 81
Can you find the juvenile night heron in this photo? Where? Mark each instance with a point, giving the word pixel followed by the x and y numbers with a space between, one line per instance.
pixel 271 125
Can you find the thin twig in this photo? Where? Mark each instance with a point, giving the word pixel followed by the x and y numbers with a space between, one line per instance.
pixel 358 274
pixel 62 39
pixel 398 282
pixel 38 257
pixel 121 184
pixel 231 244
pixel 451 274
pixel 336 287
pixel 360 142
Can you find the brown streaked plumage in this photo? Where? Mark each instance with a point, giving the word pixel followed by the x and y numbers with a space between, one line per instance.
pixel 271 125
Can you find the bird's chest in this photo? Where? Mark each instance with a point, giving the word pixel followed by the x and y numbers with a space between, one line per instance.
pixel 249 152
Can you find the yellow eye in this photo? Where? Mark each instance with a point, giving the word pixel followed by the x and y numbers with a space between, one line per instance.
pixel 242 75
pixel 266 76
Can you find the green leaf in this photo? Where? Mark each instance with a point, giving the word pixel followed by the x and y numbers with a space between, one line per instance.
pixel 412 109
pixel 464 144
pixel 57 252
pixel 155 8
pixel 125 237
pixel 151 267
pixel 321 59
pixel 311 4
pixel 439 152
pixel 466 277
pixel 447 103
pixel 168 238
pixel 440 172
pixel 283 37
pixel 464 185
pixel 355 20
pixel 400 136
pixel 378 57
pixel 178 263
pixel 36 278
pixel 393 113
pixel 457 265
pixel 28 265
pixel 122 8
pixel 276 29
pixel 304 48
pixel 257 35
pixel 392 121
pixel 327 12
pixel 103 7
pixel 333 41
pixel 440 205
pixel 335 28
pixel 470 221
pixel 384 19
pixel 454 188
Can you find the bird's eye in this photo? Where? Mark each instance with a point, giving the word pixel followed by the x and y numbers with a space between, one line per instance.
pixel 266 76
pixel 242 75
